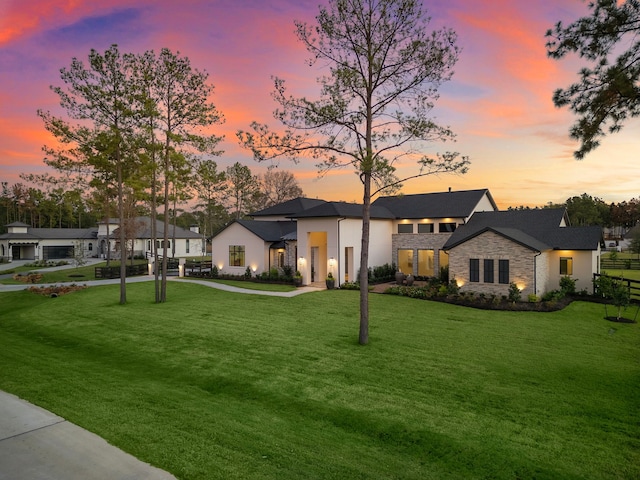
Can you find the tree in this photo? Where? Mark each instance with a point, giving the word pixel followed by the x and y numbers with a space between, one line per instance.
pixel 243 187
pixel 210 186
pixel 278 186
pixel 608 91
pixel 99 96
pixel 587 210
pixel 385 68
pixel 179 109
pixel 634 246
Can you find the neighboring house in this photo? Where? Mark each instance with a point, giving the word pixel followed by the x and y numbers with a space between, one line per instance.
pixel 532 248
pixel 182 242
pixel 23 242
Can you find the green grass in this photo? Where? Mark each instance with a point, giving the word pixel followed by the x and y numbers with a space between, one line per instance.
pixel 219 385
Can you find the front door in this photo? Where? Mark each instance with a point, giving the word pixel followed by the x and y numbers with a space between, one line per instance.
pixel 314 262
pixel 15 252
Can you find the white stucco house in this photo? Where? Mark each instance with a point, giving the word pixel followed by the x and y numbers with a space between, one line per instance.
pixel 420 234
pixel 23 242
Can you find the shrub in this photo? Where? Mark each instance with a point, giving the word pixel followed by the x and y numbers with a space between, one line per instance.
pixel 532 298
pixel 514 293
pixel 444 274
pixel 247 273
pixel 273 273
pixel 214 272
pixel 567 285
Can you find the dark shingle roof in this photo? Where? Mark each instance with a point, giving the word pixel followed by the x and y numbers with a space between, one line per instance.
pixel 270 231
pixel 343 209
pixel 288 208
pixel 458 204
pixel 538 229
pixel 53 234
pixel 143 229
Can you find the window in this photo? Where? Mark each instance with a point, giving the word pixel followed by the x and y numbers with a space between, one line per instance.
pixel 160 244
pixel 446 227
pixel 90 246
pixel 474 270
pixel 236 255
pixel 566 265
pixel 405 228
pixel 149 245
pixel 405 261
pixel 425 228
pixel 425 263
pixel 503 271
pixel 187 246
pixel 488 270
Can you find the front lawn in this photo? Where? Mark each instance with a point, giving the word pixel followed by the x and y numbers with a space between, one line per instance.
pixel 220 385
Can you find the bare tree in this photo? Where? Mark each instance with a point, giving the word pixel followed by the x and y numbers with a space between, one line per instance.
pixel 385 67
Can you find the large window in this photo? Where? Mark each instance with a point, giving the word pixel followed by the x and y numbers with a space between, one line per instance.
pixel 405 261
pixel 474 270
pixel 566 265
pixel 236 255
pixel 405 228
pixel 503 271
pixel 187 246
pixel 446 227
pixel 425 263
pixel 488 270
pixel 425 228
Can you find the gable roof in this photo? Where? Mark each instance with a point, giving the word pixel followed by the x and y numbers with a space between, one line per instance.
pixel 288 208
pixel 537 229
pixel 269 231
pixel 343 209
pixel 143 229
pixel 458 204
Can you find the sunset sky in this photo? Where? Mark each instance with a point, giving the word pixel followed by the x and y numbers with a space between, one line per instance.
pixel 499 101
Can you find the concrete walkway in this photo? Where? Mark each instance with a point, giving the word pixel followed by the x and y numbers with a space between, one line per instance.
pixel 149 278
pixel 37 445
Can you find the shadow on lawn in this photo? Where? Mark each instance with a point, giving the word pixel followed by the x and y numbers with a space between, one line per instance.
pixel 477 460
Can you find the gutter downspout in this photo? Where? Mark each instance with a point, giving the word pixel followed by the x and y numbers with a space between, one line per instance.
pixel 535 271
pixel 338 253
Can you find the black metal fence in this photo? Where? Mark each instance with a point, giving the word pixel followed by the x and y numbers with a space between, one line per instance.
pixel 632 285
pixel 114 272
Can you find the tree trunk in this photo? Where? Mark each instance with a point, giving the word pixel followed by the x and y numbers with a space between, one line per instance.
pixel 123 237
pixel 364 261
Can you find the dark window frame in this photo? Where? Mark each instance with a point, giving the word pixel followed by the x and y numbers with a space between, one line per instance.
pixel 474 270
pixel 489 270
pixel 503 271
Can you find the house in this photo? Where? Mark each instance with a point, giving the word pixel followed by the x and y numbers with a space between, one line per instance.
pixel 266 241
pixel 408 230
pixel 532 248
pixel 23 242
pixel 182 242
pixel 484 249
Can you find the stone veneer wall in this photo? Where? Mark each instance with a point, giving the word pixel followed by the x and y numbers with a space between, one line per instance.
pixel 490 245
pixel 419 241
